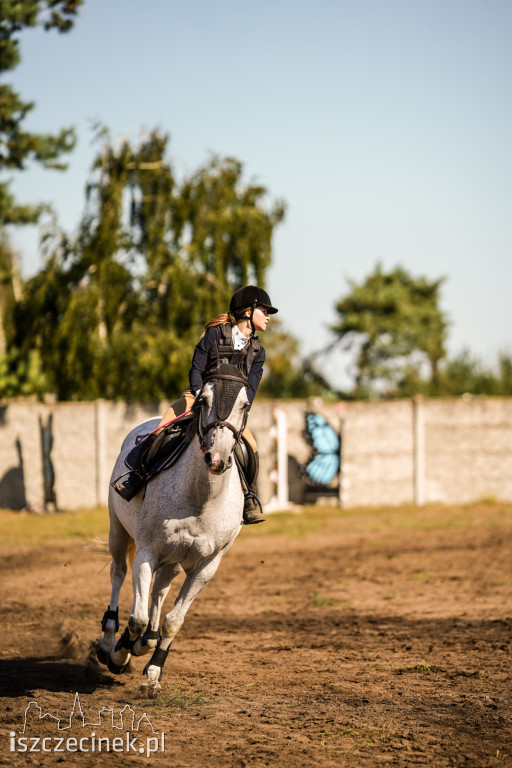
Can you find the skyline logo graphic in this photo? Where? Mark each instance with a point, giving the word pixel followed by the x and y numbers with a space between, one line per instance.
pixel 138 736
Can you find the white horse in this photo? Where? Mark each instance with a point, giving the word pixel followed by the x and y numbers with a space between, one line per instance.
pixel 187 519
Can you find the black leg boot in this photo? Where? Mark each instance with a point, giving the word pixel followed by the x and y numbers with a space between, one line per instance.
pixel 253 512
pixel 132 482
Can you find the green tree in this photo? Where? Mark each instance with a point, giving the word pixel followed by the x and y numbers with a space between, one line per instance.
pixel 10 289
pixel 395 323
pixel 18 146
pixel 465 373
pixel 20 369
pixel 505 373
pixel 117 313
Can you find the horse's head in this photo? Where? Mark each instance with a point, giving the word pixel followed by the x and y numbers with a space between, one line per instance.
pixel 221 414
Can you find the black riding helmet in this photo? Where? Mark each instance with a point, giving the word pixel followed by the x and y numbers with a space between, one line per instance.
pixel 251 296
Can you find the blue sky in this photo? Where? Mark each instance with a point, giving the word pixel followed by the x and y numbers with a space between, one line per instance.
pixel 385 126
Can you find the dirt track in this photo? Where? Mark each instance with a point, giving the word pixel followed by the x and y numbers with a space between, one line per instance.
pixel 361 639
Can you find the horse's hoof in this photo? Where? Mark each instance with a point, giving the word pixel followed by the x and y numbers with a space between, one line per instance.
pixel 150 690
pixel 115 668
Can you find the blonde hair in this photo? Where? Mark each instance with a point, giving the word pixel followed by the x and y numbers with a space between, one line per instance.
pixel 225 317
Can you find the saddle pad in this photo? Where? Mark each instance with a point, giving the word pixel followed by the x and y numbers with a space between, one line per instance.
pixel 154 454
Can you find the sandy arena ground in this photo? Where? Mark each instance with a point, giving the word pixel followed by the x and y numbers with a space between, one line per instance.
pixel 362 638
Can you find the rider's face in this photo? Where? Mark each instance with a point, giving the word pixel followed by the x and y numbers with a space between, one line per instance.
pixel 260 318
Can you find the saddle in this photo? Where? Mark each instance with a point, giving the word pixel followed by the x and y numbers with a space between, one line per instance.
pixel 153 454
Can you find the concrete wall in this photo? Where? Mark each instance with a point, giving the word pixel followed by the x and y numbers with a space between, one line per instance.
pixel 450 451
pixel 468 449
pixel 377 454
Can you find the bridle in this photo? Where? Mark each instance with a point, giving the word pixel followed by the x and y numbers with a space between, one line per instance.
pixel 202 430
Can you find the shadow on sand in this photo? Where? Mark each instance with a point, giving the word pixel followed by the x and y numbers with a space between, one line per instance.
pixel 23 676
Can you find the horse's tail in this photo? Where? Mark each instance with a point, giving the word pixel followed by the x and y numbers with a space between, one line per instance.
pixel 99 547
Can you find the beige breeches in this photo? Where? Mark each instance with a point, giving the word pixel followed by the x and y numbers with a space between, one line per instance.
pixel 184 404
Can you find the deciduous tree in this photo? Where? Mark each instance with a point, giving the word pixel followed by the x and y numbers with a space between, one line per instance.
pixel 18 147
pixel 395 324
pixel 124 304
pixel 20 370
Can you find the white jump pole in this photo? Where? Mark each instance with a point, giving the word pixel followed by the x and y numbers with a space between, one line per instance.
pixel 279 432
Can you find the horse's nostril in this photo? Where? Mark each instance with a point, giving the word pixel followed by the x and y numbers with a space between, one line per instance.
pixel 215 464
pixel 208 457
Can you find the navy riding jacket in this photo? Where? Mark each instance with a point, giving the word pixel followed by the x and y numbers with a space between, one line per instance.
pixel 200 362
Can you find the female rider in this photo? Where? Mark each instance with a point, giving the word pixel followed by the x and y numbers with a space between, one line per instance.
pixel 231 338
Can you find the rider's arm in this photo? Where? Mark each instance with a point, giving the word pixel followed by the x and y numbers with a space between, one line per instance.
pixel 255 375
pixel 200 358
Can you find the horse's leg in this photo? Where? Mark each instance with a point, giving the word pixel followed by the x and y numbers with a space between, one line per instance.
pixel 118 542
pixel 142 573
pixel 192 586
pixel 163 579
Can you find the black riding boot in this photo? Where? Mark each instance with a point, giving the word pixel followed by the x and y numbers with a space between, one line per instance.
pixel 253 512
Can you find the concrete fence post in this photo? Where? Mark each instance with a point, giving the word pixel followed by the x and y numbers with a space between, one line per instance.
pixel 280 500
pixel 282 457
pixel 418 450
pixel 343 489
pixel 102 477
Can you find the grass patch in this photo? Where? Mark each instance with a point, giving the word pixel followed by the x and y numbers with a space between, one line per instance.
pixel 422 668
pixel 362 739
pixel 308 520
pixel 318 519
pixel 27 529
pixel 423 576
pixel 321 601
pixel 175 701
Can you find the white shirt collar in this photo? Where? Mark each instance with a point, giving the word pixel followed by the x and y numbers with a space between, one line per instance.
pixel 239 340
